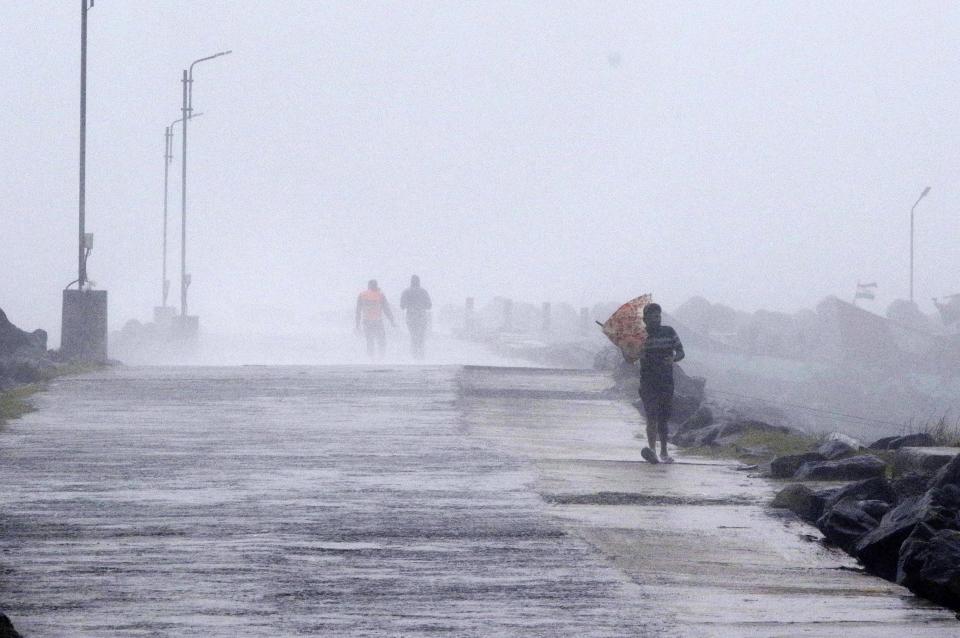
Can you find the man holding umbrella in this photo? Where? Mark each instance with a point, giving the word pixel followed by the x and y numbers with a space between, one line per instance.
pixel 661 349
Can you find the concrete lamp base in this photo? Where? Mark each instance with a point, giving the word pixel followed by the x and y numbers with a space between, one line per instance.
pixel 186 328
pixel 84 326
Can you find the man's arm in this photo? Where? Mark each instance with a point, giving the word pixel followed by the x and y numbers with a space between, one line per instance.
pixel 678 353
pixel 429 304
pixel 359 304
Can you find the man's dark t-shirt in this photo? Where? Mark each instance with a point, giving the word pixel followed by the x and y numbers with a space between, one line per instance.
pixel 656 362
pixel 416 301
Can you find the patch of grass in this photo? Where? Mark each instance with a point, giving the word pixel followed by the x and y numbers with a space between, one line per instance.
pixel 14 403
pixel 758 446
pixel 945 432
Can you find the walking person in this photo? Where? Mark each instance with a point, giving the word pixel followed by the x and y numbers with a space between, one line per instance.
pixel 415 302
pixel 372 306
pixel 660 351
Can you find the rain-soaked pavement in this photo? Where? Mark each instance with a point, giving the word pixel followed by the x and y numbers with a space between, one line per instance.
pixel 396 501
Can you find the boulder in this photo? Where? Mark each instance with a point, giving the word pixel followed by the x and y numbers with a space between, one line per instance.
pixel 801 500
pixel 787 466
pixel 949 474
pixel 909 485
pixel 873 489
pixel 702 437
pixel 688 394
pixel 922 460
pixel 918 439
pixel 832 450
pixel 15 341
pixel 6 628
pixel 881 444
pixel 929 565
pixel 849 520
pixel 838 446
pixel 879 549
pixel 698 420
pixel 851 469
pixel 696 438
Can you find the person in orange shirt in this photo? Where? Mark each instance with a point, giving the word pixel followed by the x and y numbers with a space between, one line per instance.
pixel 372 306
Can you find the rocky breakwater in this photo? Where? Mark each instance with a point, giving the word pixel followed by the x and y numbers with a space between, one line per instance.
pixel 897 509
pixel 24 359
pixel 23 355
pixel 894 505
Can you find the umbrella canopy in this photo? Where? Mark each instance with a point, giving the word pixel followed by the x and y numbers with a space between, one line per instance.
pixel 625 327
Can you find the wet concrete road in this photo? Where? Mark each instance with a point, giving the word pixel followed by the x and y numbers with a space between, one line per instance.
pixel 284 502
pixel 396 502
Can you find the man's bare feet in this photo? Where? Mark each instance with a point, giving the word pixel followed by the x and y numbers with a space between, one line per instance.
pixel 649 455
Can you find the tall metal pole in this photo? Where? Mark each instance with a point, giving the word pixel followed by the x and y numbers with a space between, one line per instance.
pixel 911 251
pixel 186 110
pixel 167 158
pixel 912 209
pixel 183 201
pixel 81 261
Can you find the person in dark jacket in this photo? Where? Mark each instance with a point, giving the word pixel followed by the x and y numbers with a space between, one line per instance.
pixel 415 301
pixel 660 351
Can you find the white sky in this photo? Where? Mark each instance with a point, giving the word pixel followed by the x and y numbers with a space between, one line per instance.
pixel 761 154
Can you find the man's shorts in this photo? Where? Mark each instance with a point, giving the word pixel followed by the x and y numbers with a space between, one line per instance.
pixel 657 403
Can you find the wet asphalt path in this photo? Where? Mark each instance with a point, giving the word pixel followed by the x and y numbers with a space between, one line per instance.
pixel 271 501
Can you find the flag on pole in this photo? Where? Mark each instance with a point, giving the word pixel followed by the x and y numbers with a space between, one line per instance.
pixel 865 291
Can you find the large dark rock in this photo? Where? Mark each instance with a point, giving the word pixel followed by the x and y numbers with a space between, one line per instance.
pixel 949 474
pixel 923 460
pixel 873 489
pixel 699 437
pixel 910 485
pixel 699 419
pixel 851 469
pixel 918 439
pixel 6 628
pixel 929 564
pixel 801 500
pixel 15 341
pixel 688 394
pixel 849 520
pixel 833 449
pixel 881 444
pixel 787 466
pixel 879 549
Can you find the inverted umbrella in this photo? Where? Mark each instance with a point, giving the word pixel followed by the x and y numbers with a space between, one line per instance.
pixel 625 327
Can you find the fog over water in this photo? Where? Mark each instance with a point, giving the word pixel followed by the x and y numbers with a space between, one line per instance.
pixel 757 154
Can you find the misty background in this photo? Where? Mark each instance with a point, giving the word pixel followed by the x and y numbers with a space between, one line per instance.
pixel 762 155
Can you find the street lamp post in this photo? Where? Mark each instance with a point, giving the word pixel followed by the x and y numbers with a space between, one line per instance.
pixel 912 209
pixel 167 159
pixel 186 110
pixel 82 260
pixel 83 334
